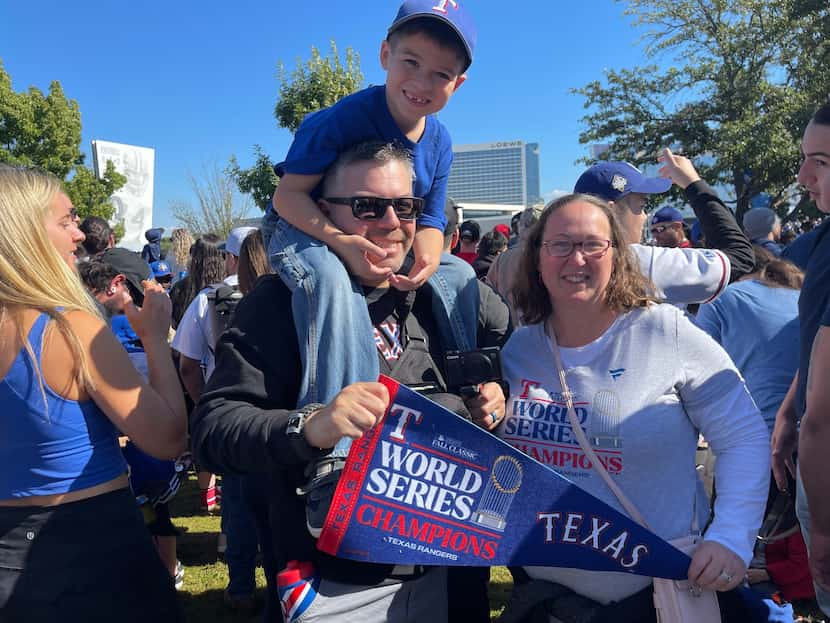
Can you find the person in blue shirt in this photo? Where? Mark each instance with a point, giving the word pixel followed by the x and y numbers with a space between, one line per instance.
pixel 756 322
pixel 426 53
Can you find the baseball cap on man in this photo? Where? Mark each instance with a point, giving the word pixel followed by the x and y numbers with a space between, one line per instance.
pixel 503 229
pixel 667 215
pixel 234 242
pixel 129 264
pixel 612 180
pixel 470 230
pixel 451 12
pixel 759 222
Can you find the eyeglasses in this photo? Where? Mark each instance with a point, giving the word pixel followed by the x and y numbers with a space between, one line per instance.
pixel 373 208
pixel 659 229
pixel 589 248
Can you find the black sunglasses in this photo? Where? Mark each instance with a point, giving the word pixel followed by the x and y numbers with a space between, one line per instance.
pixel 373 208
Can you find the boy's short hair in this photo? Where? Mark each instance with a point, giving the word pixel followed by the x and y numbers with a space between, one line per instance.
pixel 447 23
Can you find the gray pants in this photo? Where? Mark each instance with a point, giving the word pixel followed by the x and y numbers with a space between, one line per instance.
pixel 412 601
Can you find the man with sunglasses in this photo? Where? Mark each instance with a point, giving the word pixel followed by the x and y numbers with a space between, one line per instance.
pixel 248 420
pixel 683 276
pixel 669 229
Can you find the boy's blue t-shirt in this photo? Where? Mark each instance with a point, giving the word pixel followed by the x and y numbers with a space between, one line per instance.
pixel 758 326
pixel 364 116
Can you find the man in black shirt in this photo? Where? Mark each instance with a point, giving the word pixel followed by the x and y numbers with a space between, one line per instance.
pixel 247 421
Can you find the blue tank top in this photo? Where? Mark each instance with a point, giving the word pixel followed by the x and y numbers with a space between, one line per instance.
pixel 72 447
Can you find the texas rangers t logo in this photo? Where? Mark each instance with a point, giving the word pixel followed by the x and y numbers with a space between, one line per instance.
pixel 441 7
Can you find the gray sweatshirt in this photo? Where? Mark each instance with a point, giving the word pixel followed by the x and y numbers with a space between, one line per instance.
pixel 644 390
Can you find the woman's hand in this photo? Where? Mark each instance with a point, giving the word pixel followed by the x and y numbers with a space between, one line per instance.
pixel 487 408
pixel 151 320
pixel 716 567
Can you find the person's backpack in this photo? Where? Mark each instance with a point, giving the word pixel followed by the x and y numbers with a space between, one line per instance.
pixel 222 302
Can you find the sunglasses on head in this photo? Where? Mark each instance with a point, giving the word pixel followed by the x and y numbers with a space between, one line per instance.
pixel 373 208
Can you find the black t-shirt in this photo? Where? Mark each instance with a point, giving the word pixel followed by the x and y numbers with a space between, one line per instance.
pixel 813 307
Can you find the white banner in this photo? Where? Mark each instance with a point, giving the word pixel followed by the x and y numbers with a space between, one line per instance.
pixel 134 202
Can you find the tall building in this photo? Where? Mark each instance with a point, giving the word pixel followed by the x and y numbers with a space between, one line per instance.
pixel 505 172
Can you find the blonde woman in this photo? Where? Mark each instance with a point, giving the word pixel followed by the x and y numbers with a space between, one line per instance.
pixel 180 242
pixel 72 542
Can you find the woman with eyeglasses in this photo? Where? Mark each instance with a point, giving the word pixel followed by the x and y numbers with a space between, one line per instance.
pixel 73 546
pixel 645 383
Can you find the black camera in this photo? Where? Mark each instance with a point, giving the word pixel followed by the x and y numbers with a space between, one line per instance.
pixel 469 369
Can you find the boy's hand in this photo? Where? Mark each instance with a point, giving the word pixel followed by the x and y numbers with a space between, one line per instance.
pixel 421 270
pixel 427 247
pixel 360 256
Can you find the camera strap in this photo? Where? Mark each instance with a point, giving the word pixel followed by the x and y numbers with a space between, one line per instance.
pixel 416 365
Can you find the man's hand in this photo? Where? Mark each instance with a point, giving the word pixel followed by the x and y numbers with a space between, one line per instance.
pixel 352 412
pixel 783 443
pixel 360 256
pixel 716 567
pixel 819 555
pixel 422 269
pixel 487 408
pixel 679 169
pixel 152 319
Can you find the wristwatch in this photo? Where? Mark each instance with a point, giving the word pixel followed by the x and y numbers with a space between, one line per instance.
pixel 296 421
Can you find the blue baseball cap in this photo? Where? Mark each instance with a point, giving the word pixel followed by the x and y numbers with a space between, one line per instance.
pixel 667 215
pixel 451 12
pixel 612 180
pixel 160 268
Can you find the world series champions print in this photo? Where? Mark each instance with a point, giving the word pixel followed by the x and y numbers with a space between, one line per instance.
pixel 427 487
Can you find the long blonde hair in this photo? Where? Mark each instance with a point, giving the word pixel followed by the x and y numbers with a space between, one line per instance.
pixel 33 275
pixel 180 242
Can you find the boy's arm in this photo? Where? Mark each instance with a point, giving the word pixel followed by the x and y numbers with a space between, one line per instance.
pixel 292 201
pixel 427 247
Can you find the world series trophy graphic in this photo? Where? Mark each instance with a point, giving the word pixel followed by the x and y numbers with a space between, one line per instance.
pixel 505 480
pixel 605 420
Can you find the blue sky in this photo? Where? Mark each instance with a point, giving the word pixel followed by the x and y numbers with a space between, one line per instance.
pixel 198 81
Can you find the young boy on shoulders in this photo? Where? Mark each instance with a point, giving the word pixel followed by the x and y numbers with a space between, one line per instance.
pixel 428 48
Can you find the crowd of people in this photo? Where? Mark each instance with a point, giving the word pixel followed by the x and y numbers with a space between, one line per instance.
pixel 255 356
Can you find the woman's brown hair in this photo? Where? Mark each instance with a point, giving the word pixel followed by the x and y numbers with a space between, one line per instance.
pixel 627 288
pixel 775 272
pixel 253 261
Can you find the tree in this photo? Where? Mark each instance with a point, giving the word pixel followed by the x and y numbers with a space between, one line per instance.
pixel 91 195
pixel 811 57
pixel 259 181
pixel 318 83
pixel 45 131
pixel 220 206
pixel 730 103
pixel 315 84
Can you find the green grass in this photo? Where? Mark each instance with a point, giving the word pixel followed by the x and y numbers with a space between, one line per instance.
pixel 206 575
